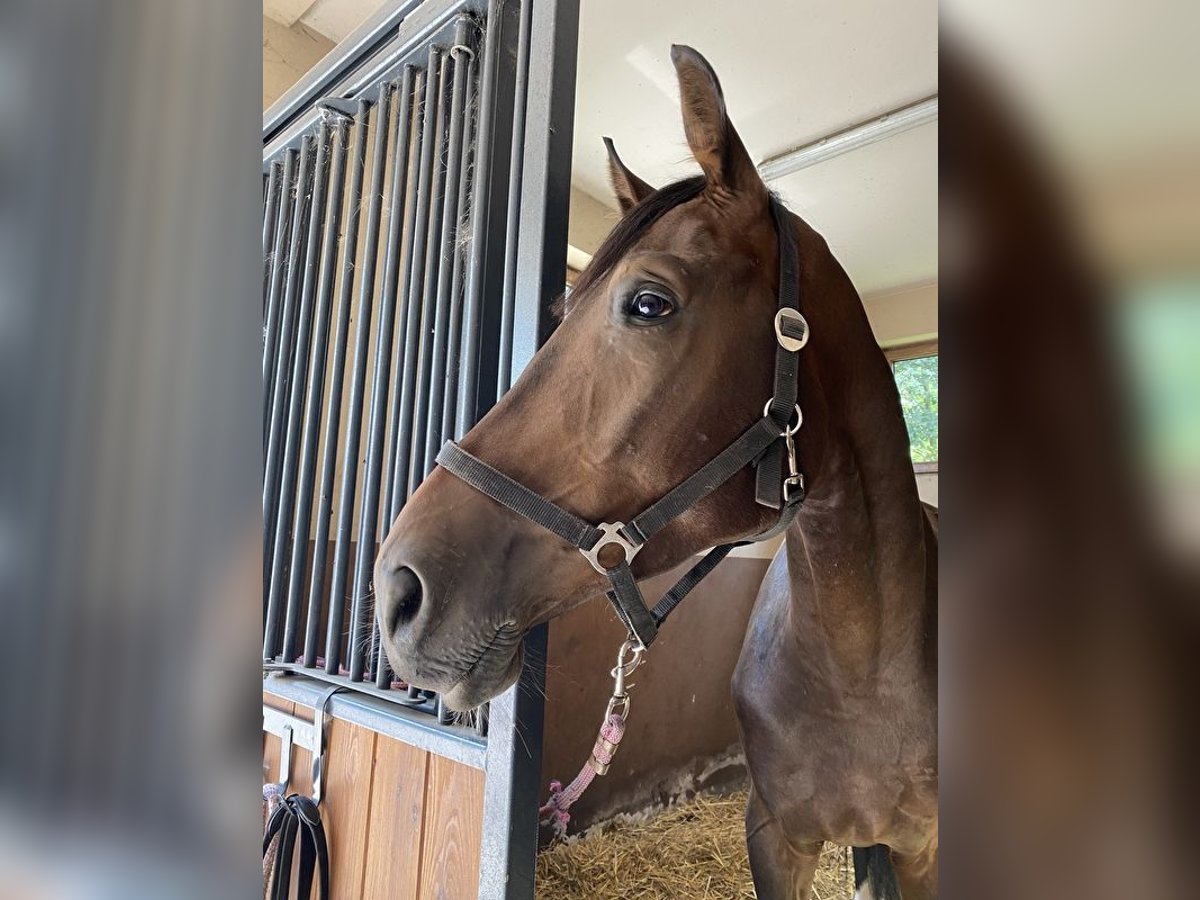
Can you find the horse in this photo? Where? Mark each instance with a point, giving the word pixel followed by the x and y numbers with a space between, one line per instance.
pixel 665 351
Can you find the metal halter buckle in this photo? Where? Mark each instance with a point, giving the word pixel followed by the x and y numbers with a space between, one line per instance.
pixel 610 533
pixel 787 342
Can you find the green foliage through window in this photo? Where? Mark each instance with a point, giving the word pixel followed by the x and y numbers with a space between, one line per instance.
pixel 1159 331
pixel 917 380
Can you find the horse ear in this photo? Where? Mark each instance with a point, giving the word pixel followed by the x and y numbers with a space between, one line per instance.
pixel 714 141
pixel 630 189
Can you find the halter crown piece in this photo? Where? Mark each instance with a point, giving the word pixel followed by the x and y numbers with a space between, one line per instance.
pixel 766 444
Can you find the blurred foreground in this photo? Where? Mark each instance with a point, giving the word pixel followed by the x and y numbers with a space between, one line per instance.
pixel 1070 341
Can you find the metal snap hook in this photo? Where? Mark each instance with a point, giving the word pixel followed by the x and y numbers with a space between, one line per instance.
pixel 629 657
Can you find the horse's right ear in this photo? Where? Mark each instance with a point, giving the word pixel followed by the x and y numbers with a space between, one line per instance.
pixel 710 135
pixel 630 189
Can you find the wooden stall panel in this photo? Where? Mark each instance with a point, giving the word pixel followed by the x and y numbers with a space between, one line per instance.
pixel 402 823
pixel 393 856
pixel 346 801
pixel 453 819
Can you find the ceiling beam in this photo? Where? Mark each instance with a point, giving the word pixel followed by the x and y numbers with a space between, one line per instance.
pixel 863 134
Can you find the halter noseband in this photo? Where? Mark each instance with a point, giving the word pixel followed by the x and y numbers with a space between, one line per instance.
pixel 766 444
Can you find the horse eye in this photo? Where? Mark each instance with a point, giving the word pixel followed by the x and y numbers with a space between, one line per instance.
pixel 649 305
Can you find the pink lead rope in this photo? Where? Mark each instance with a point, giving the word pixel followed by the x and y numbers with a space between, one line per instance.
pixel 561 799
pixel 556 810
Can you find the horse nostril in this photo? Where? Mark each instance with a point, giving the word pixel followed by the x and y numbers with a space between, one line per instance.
pixel 404 591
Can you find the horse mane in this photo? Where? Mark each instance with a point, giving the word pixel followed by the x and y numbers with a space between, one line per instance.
pixel 627 231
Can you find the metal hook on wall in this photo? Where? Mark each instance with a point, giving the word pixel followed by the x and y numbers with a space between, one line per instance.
pixel 318 770
pixel 309 735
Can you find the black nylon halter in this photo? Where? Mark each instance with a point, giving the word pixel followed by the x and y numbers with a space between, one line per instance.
pixel 767 443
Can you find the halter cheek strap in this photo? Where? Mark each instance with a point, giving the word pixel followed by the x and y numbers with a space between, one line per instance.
pixel 768 444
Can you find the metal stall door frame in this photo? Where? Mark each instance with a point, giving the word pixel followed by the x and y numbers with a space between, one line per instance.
pixel 460 306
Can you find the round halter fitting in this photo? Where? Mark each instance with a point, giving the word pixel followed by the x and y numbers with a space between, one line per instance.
pixel 789 429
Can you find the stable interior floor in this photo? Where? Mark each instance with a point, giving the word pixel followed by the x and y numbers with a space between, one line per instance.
pixel 688 852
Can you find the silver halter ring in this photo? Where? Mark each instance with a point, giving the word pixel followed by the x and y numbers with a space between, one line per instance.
pixel 789 429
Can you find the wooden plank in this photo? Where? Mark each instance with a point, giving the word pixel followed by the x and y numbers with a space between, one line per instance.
pixel 302 782
pixel 346 807
pixel 346 804
pixel 397 805
pixel 453 827
pixel 278 703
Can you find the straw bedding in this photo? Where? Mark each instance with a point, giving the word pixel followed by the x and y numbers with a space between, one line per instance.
pixel 687 852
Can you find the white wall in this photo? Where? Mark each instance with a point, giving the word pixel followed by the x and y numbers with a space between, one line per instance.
pixel 904 316
pixel 287 54
pixel 927 487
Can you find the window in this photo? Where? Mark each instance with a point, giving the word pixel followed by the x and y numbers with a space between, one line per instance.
pixel 1158 329
pixel 916 372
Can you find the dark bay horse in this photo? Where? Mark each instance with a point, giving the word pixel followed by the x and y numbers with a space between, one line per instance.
pixel 663 358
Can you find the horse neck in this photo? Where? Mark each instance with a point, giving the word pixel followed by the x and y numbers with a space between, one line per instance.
pixel 856 551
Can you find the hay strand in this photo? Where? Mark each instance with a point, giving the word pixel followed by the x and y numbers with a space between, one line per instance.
pixel 695 851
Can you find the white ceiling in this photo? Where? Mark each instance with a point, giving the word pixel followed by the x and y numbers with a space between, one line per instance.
pixel 793 71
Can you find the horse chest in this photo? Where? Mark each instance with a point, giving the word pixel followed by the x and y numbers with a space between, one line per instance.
pixel 850 763
pixel 857 779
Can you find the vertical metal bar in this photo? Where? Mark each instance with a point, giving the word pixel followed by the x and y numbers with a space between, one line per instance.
pixel 416 466
pixel 276 583
pixel 460 57
pixel 509 846
pixel 281 362
pixel 454 336
pixel 333 419
pixel 362 336
pixel 368 518
pixel 508 308
pixel 409 318
pixel 546 184
pixel 282 366
pixel 485 270
pixel 270 214
pixel 413 327
pixel 278 259
pixel 398 432
pixel 512 779
pixel 316 389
